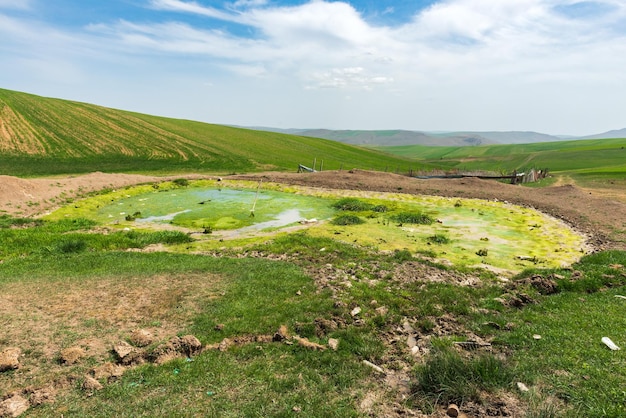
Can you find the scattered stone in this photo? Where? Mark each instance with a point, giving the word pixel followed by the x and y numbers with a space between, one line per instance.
pixel 123 349
pixel 373 302
pixel 90 384
pixel 296 409
pixel 282 334
pixel 452 411
pixel 13 406
pixel 71 355
pixel 141 338
pixel 522 387
pixel 219 327
pixel 411 341
pixel 299 293
pixel 10 359
pixel 333 343
pixel 536 336
pixel 355 311
pixel 415 351
pixel 382 311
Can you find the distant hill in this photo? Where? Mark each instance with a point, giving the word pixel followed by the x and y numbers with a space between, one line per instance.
pixel 40 135
pixel 403 137
pixel 618 133
pixel 393 138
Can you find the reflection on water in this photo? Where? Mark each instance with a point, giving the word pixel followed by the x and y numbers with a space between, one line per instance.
pixel 282 219
pixel 168 217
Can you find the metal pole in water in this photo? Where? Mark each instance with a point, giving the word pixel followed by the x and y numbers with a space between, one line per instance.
pixel 255 199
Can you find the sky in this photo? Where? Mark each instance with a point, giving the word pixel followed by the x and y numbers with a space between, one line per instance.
pixel 551 66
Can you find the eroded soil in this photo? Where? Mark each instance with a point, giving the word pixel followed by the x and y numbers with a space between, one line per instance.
pixel 38 318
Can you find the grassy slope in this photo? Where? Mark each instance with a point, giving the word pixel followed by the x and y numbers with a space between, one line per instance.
pixel 597 155
pixel 48 136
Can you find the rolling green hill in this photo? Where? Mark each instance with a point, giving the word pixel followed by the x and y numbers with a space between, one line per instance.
pixel 579 156
pixel 41 136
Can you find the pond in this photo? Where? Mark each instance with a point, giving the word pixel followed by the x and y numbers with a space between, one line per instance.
pixel 464 232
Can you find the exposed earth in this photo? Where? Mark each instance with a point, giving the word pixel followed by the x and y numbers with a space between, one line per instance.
pixel 600 214
pixel 597 213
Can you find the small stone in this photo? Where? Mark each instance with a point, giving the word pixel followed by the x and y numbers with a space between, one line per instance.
pixel 122 349
pixel 333 343
pixel 219 327
pixel 452 411
pixel 411 341
pixel 72 355
pixel 373 302
pixel 13 406
pixel 296 409
pixel 355 311
pixel 10 359
pixel 415 351
pixel 522 387
pixel 299 292
pixel 90 384
pixel 382 311
pixel 536 336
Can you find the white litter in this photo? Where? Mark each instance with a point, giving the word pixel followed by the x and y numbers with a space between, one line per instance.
pixel 607 341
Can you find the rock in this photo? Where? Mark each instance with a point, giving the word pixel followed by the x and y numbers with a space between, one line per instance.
pixel 333 343
pixel 219 327
pixel 90 384
pixel 411 341
pixel 382 311
pixel 71 355
pixel 10 359
pixel 452 411
pixel 141 338
pixel 123 349
pixel 522 387
pixel 13 406
pixel 355 311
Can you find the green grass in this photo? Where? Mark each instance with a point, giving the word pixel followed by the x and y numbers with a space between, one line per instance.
pixel 59 137
pixel 604 157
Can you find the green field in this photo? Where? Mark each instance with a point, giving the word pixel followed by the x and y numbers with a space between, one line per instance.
pixel 294 323
pixel 598 158
pixel 42 136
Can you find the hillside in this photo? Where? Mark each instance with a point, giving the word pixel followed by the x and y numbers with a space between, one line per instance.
pixel 598 155
pixel 41 135
pixel 391 138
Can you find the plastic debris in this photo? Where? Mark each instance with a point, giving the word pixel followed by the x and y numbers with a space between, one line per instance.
pixel 607 341
pixel 373 366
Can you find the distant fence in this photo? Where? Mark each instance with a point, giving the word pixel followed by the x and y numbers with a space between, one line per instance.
pixel 516 177
pixel 528 176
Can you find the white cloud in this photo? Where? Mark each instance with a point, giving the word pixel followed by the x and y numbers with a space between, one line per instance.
pixel 501 54
pixel 16 4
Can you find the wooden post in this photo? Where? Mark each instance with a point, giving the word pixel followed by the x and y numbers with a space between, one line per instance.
pixel 322 165
pixel 314 163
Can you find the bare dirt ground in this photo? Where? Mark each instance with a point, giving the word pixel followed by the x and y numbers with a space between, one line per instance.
pixel 597 212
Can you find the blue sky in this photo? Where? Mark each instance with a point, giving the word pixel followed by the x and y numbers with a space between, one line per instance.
pixel 553 66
